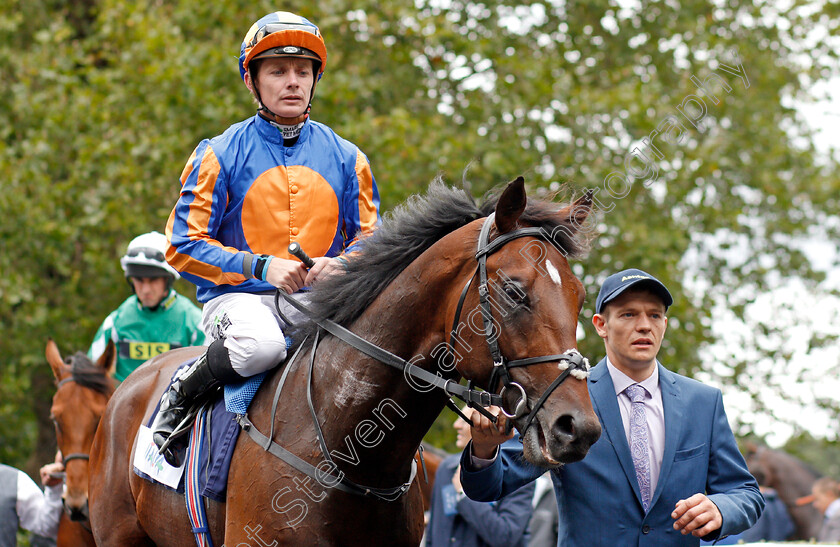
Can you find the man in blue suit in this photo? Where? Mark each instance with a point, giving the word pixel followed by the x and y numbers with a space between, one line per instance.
pixel 685 478
pixel 457 520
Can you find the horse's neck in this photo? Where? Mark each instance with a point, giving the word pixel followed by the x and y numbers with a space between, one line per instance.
pixel 383 417
pixel 793 477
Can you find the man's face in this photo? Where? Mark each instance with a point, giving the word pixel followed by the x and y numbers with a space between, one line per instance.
pixel 632 326
pixel 285 84
pixel 463 429
pixel 150 290
pixel 822 500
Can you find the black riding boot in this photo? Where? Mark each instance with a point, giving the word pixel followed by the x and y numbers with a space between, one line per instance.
pixel 209 372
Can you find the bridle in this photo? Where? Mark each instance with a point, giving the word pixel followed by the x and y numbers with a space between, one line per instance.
pixel 70 457
pixel 575 364
pixel 75 455
pixel 571 359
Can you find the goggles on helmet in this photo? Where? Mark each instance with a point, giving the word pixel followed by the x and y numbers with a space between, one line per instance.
pixel 146 257
pixel 271 28
pixel 148 252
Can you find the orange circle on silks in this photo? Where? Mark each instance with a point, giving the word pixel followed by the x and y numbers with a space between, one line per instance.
pixel 272 213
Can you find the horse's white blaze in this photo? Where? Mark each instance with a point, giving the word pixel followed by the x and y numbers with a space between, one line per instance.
pixel 553 273
pixel 352 387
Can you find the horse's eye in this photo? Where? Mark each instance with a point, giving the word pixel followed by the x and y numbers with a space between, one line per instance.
pixel 514 292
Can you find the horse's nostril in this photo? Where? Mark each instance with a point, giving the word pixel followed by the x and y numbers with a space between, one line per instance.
pixel 77 515
pixel 565 426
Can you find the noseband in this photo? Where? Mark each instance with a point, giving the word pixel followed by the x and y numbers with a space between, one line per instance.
pixel 571 359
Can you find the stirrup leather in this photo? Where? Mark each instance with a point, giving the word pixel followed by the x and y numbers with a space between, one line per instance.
pixel 183 426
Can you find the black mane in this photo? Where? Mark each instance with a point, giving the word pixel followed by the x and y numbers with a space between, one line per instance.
pixel 406 233
pixel 87 374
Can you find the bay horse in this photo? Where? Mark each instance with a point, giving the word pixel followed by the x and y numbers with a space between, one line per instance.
pixel 82 392
pixel 443 289
pixel 792 479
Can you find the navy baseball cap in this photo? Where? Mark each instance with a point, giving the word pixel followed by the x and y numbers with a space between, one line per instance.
pixel 619 282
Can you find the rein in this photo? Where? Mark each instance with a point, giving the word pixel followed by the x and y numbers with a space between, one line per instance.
pixel 575 364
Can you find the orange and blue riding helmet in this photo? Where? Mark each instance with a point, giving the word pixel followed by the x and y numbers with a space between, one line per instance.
pixel 283 34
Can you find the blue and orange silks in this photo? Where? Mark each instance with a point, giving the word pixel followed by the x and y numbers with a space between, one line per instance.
pixel 244 193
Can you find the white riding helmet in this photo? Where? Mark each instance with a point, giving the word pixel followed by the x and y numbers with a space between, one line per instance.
pixel 145 257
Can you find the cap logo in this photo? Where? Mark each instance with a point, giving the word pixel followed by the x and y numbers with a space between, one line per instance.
pixel 290 49
pixel 626 277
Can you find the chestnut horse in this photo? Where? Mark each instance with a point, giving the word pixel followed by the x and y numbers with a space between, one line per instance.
pixel 83 390
pixel 792 479
pixel 443 289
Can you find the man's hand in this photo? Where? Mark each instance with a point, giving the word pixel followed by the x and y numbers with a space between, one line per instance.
pixel 292 275
pixel 50 473
pixel 486 435
pixel 289 275
pixel 697 515
pixel 323 268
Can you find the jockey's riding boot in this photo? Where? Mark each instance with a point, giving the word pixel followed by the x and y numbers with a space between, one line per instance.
pixel 179 402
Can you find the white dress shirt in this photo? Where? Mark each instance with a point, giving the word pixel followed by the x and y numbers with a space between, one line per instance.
pixel 832 509
pixel 38 512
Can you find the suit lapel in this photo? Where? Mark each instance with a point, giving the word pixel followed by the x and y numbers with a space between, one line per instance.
pixel 602 392
pixel 673 408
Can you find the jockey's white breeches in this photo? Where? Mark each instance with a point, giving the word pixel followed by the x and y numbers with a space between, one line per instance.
pixel 251 328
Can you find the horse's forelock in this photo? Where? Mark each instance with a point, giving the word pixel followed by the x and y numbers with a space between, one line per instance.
pixel 565 234
pixel 87 374
pixel 545 213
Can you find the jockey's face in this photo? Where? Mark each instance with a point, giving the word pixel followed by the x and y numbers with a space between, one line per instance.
pixel 149 290
pixel 285 84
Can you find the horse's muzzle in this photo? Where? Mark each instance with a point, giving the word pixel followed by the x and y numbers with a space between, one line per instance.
pixel 571 435
pixel 77 513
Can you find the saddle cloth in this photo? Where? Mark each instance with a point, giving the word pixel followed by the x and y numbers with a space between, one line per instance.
pixel 216 452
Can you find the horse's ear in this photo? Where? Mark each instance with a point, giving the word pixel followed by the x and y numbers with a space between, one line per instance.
pixel 510 205
pixel 54 359
pixel 578 212
pixel 108 360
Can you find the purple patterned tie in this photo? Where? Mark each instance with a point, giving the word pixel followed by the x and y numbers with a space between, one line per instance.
pixel 639 441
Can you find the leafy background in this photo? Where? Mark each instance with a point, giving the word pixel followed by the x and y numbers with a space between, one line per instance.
pixel 102 102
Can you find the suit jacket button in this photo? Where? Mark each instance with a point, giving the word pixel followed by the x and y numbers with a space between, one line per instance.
pixel 645 529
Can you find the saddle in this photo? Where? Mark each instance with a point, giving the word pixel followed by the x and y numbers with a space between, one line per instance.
pixel 222 432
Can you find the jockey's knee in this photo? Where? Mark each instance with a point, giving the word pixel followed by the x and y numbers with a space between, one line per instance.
pixel 255 356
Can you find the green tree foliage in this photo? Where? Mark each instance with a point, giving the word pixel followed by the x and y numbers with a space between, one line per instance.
pixel 103 102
